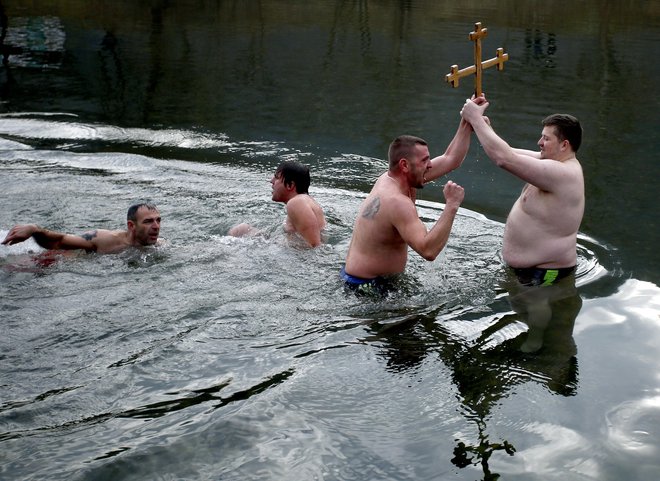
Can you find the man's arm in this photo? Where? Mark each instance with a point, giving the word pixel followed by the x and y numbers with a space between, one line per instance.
pixel 49 239
pixel 304 221
pixel 427 244
pixel 454 155
pixel 546 174
pixel 456 150
pixel 531 153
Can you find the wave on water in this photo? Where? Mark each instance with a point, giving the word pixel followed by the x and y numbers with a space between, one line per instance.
pixel 20 126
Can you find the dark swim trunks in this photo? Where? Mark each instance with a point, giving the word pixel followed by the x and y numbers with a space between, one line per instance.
pixel 377 285
pixel 535 276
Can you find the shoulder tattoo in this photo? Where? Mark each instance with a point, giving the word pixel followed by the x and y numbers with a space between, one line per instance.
pixel 371 208
pixel 88 236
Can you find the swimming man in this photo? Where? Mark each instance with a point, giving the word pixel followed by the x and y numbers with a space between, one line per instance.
pixel 304 216
pixel 142 229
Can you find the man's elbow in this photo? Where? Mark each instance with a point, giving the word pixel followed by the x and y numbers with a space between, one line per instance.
pixel 313 240
pixel 430 255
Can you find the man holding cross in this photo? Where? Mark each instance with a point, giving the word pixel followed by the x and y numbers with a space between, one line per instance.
pixel 387 223
pixel 540 236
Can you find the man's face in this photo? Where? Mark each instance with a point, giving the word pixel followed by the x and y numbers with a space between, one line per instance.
pixel 279 190
pixel 549 143
pixel 147 226
pixel 418 164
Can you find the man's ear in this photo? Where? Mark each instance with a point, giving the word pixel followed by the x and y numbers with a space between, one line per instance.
pixel 291 186
pixel 565 145
pixel 403 165
pixel 130 225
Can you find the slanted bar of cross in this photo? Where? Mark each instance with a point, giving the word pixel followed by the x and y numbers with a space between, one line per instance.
pixel 455 74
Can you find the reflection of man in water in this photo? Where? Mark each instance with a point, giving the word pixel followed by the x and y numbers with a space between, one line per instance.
pixel 142 229
pixel 535 305
pixel 540 235
pixel 304 215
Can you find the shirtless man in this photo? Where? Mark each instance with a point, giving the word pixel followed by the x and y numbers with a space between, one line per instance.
pixel 143 227
pixel 540 236
pixel 304 216
pixel 387 222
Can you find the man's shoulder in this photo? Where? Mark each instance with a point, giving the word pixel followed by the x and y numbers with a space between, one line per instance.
pixel 300 201
pixel 103 234
pixel 111 241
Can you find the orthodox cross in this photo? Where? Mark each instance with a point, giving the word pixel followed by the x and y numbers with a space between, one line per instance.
pixel 454 75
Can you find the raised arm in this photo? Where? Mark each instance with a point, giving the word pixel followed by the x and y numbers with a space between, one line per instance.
pixel 46 238
pixel 453 157
pixel 531 153
pixel 546 174
pixel 428 244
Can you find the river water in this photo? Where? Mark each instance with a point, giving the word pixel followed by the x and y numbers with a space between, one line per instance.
pixel 217 358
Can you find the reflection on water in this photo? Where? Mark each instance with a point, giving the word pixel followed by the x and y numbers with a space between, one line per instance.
pixel 490 355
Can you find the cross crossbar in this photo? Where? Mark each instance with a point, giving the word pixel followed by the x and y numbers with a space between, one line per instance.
pixel 455 74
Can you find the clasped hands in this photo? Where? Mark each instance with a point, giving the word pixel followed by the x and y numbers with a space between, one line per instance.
pixel 474 107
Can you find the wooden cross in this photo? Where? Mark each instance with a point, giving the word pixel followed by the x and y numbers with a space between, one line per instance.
pixel 454 75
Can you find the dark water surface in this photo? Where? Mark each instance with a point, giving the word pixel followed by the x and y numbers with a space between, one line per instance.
pixel 220 358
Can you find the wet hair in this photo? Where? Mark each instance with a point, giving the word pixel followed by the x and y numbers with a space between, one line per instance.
pixel 567 128
pixel 402 146
pixel 132 210
pixel 294 172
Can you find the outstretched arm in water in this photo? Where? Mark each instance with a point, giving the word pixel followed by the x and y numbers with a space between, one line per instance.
pixel 49 239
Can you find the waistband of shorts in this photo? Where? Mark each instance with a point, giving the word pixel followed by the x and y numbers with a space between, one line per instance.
pixel 353 280
pixel 541 276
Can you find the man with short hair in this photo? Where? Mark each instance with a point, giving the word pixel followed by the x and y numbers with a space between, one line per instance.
pixel 304 216
pixel 142 229
pixel 387 222
pixel 540 235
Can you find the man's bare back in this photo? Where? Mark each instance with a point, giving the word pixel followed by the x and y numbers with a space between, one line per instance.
pixel 377 248
pixel 305 216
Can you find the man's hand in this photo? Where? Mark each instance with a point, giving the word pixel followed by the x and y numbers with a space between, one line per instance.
pixel 474 108
pixel 20 233
pixel 454 194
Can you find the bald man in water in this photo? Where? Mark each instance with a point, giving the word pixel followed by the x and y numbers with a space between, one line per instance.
pixel 142 229
pixel 540 235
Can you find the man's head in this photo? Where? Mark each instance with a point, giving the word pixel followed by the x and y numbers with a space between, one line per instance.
pixel 411 154
pixel 289 180
pixel 566 128
pixel 143 221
